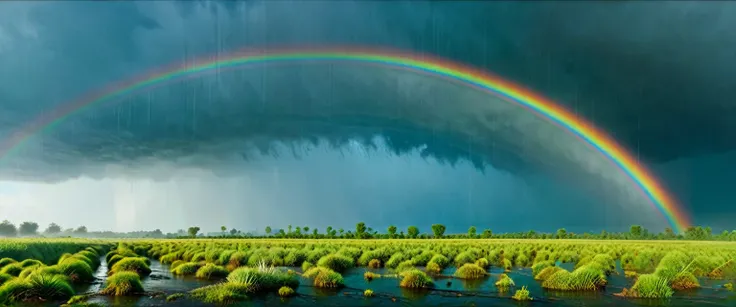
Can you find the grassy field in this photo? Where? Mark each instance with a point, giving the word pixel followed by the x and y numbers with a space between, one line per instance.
pixel 47 268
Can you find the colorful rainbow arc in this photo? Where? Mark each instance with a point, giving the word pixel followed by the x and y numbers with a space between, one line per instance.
pixel 495 85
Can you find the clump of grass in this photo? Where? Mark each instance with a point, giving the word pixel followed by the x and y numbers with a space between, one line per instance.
pixel 522 294
pixel 13 269
pixel 336 262
pixel 584 278
pixel 49 287
pixel 4 278
pixel 175 264
pixel 210 271
pixel 30 262
pixel 77 270
pixel 522 260
pixel 306 265
pixel 546 273
pixel 649 286
pixel 123 283
pixel 368 275
pixel 374 264
pixel 256 279
pixel 223 293
pixel 131 264
pixel 14 290
pixel 539 266
pixel 630 274
pixel 175 297
pixel 727 286
pixel 440 260
pixel 483 263
pixel 186 269
pixel 433 268
pixel 324 278
pixel 5 261
pixel 415 279
pixel 685 281
pixel 368 293
pixel 504 282
pixel 286 292
pixel 27 271
pixel 470 271
pixel 404 265
pixel 464 257
pixel 507 266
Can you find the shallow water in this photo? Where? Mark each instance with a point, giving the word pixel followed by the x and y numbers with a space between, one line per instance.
pixel 448 292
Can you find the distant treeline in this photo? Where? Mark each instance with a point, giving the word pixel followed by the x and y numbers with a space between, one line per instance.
pixel 361 231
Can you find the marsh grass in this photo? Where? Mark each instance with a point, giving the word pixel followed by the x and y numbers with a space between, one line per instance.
pixel 324 278
pixel 546 273
pixel 222 294
pixel 77 270
pixel 13 269
pixel 336 262
pixel 138 265
pixel 369 276
pixel 522 294
pixel 6 261
pixel 650 286
pixel 470 271
pixel 211 271
pixel 368 293
pixel 186 269
pixel 286 292
pixel 123 283
pixel 504 282
pixel 584 278
pixel 415 279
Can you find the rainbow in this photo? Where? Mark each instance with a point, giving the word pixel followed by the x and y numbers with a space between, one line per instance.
pixel 419 63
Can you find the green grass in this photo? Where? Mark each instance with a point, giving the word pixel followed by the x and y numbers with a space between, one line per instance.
pixel 138 265
pixel 286 291
pixel 324 278
pixel 123 283
pixel 211 271
pixel 504 282
pixel 522 294
pixel 223 293
pixel 336 262
pixel 368 293
pixel 186 269
pixel 470 271
pixel 415 279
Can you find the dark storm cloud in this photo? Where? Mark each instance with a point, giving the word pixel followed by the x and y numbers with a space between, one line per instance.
pixel 659 76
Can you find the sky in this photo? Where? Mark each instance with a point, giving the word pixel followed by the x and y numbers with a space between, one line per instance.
pixel 333 144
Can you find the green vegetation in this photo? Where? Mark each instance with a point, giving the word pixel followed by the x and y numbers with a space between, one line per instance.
pixel 286 291
pixel 248 268
pixel 123 283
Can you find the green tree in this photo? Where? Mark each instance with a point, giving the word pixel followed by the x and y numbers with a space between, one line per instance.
pixel 360 230
pixel 635 231
pixel 392 231
pixel 487 234
pixel 192 231
pixel 329 231
pixel 53 229
pixel 81 230
pixel 669 233
pixel 438 230
pixel 233 231
pixel 471 232
pixel 223 228
pixel 28 228
pixel 289 228
pixel 561 233
pixel 412 232
pixel 7 229
pixel 268 230
pixel 306 229
pixel 315 232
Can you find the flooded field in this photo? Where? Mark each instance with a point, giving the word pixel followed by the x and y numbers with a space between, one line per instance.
pixel 162 285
